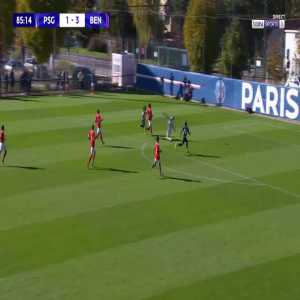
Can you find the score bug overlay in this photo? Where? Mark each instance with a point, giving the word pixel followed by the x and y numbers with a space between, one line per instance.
pixel 93 20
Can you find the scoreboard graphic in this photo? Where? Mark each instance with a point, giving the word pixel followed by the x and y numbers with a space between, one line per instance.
pixel 93 20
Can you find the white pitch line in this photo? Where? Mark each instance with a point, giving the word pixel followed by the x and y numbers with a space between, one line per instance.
pixel 254 180
pixel 274 187
pixel 242 176
pixel 197 176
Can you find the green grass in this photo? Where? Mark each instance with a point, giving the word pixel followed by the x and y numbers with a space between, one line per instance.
pixel 87 52
pixel 222 224
pixel 100 55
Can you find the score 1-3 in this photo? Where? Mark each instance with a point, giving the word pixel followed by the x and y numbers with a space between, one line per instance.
pixel 72 20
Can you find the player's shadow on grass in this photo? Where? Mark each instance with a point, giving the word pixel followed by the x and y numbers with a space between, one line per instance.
pixel 79 96
pixel 21 98
pixel 203 155
pixel 181 179
pixel 24 167
pixel 116 170
pixel 163 137
pixel 120 147
pixel 144 101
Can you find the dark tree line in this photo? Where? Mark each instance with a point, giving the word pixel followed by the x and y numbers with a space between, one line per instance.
pixel 217 33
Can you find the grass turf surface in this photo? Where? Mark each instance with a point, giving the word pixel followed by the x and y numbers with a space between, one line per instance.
pixel 222 224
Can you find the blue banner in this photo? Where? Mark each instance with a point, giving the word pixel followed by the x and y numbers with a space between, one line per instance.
pixel 271 100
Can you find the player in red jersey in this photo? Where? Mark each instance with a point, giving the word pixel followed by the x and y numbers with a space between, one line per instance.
pixel 2 143
pixel 157 152
pixel 92 139
pixel 149 115
pixel 98 122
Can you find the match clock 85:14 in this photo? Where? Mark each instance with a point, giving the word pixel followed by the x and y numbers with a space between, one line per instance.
pixel 24 20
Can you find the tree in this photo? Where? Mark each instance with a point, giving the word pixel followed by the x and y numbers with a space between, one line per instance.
pixel 82 5
pixel 256 41
pixel 233 58
pixel 6 30
pixel 292 8
pixel 178 5
pixel 121 22
pixel 201 34
pixel 176 10
pixel 275 63
pixel 146 19
pixel 38 40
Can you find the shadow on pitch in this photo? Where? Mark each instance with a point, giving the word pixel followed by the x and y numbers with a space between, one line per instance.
pixel 163 137
pixel 181 179
pixel 79 96
pixel 204 155
pixel 116 170
pixel 21 98
pixel 23 167
pixel 120 147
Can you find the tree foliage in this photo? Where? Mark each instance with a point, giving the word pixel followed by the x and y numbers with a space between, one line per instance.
pixel 146 19
pixel 6 30
pixel 82 5
pixel 201 34
pixel 178 5
pixel 40 40
pixel 121 21
pixel 233 58
pixel 275 63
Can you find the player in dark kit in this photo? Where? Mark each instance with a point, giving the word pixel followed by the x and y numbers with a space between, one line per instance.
pixel 92 139
pixel 2 143
pixel 157 152
pixel 185 132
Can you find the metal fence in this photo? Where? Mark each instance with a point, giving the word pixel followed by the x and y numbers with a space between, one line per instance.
pixel 58 85
pixel 173 57
pixel 29 86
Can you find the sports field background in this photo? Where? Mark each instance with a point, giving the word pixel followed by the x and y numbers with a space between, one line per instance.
pixel 223 223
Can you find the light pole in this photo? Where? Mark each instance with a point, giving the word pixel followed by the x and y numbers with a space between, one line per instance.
pixel 265 40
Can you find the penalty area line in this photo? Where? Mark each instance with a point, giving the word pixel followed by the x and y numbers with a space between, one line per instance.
pixel 191 176
pixel 255 181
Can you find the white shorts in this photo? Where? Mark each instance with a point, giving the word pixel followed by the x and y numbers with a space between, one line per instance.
pixel 93 151
pixel 99 130
pixel 2 147
pixel 169 132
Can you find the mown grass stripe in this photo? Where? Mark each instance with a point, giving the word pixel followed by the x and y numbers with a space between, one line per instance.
pixel 120 230
pixel 263 281
pixel 171 260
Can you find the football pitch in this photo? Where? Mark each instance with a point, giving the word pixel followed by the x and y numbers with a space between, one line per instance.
pixel 223 223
